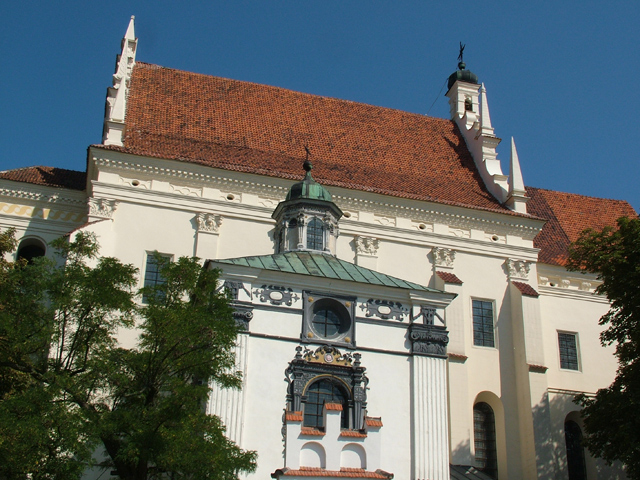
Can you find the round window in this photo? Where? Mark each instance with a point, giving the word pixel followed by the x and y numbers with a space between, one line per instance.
pixel 329 319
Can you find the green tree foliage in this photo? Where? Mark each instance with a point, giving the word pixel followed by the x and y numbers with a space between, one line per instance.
pixel 68 386
pixel 611 418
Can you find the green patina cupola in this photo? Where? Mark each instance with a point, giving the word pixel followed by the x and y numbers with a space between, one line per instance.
pixel 307 219
pixel 308 188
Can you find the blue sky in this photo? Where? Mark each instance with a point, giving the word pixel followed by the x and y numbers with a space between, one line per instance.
pixel 561 77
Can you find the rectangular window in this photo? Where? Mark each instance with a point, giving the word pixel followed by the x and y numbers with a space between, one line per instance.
pixel 483 323
pixel 568 345
pixel 152 276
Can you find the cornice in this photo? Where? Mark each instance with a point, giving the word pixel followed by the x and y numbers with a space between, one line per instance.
pixel 40 196
pixel 455 219
pixel 421 218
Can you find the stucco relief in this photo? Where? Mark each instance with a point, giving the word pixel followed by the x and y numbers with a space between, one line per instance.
pixel 367 245
pixel 460 232
pixel 518 268
pixel 387 221
pixel 443 257
pixel 184 190
pixel 102 207
pixel 208 222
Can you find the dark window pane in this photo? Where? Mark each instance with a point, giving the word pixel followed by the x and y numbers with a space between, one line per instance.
pixel 314 235
pixel 575 451
pixel 483 323
pixel 326 322
pixel 568 351
pixel 321 392
pixel 152 275
pixel 484 436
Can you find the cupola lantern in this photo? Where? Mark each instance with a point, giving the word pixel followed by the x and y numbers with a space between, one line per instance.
pixel 307 219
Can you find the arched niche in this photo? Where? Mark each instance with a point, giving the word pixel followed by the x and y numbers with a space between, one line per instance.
pixel 312 454
pixel 491 400
pixel 353 456
pixel 31 248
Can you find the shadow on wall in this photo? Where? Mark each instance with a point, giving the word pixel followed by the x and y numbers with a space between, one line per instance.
pixel 461 454
pixel 552 453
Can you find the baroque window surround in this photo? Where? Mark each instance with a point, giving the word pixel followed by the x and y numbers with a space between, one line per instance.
pixel 328 363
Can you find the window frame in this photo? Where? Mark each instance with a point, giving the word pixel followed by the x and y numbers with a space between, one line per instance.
pixel 577 352
pixel 494 339
pixel 314 234
pixel 150 257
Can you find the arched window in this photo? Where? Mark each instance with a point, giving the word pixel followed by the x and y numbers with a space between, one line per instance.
pixel 31 248
pixel 575 451
pixel 484 436
pixel 320 392
pixel 315 235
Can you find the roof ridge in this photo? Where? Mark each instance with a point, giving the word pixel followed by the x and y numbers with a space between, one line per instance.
pixel 578 194
pixel 297 92
pixel 41 166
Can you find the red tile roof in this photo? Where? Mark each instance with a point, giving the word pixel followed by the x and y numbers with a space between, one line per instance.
pixel 526 289
pixel 321 472
pixel 449 277
pixel 567 215
pixel 311 431
pixel 49 176
pixel 333 406
pixel 254 128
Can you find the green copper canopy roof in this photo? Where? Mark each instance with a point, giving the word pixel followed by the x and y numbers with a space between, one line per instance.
pixel 325 266
pixel 308 188
pixel 462 75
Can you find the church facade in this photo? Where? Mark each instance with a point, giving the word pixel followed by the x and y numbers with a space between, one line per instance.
pixel 406 309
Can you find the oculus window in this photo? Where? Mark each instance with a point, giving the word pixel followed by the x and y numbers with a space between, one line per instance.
pixel 483 335
pixel 568 346
pixel 328 318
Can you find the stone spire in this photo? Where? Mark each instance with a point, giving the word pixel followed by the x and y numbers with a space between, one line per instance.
pixel 517 200
pixel 485 118
pixel 116 107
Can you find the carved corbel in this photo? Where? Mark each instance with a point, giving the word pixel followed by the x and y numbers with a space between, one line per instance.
pixel 367 246
pixel 208 222
pixel 518 268
pixel 443 257
pixel 102 207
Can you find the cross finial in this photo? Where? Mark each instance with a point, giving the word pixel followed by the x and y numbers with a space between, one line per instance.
pixel 460 59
